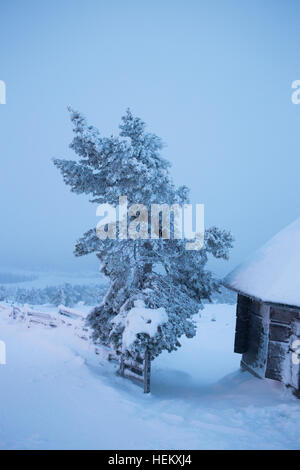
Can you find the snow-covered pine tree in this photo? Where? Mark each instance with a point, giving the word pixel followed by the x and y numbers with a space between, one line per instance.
pixel 146 273
pixel 21 296
pixel 58 297
pixel 3 293
pixel 63 295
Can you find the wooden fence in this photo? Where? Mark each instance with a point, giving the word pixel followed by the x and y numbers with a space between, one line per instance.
pixel 139 369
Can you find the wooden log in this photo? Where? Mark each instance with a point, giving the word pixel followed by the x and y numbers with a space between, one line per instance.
pixel 40 315
pixel 282 315
pixel 242 325
pixel 277 362
pixel 131 375
pixel 279 332
pixel 258 337
pixel 133 363
pixel 134 369
pixel 255 307
pixel 41 318
pixel 70 313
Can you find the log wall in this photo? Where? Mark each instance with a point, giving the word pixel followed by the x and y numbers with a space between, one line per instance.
pixel 280 337
pixel 255 358
pixel 266 335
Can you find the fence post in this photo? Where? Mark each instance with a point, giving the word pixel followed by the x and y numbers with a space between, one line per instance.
pixel 147 371
pixel 122 365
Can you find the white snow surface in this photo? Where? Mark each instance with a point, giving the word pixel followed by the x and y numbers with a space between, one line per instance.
pixel 56 393
pixel 272 273
pixel 141 320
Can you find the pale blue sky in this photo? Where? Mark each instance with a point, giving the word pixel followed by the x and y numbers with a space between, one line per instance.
pixel 212 78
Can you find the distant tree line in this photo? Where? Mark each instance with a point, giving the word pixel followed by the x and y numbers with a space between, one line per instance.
pixel 69 295
pixel 66 294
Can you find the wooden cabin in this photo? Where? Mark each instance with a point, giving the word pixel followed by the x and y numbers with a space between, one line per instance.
pixel 268 309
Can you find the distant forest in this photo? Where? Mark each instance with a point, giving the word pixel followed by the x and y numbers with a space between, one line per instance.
pixel 69 295
pixel 66 294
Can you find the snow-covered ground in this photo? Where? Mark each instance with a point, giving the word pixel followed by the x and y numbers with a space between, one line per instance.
pixel 56 393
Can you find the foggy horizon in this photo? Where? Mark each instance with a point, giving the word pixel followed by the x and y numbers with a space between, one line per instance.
pixel 212 80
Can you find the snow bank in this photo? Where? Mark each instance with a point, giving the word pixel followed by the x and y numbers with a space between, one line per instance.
pixel 272 273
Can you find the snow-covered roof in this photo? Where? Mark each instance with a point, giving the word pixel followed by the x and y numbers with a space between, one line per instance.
pixel 272 273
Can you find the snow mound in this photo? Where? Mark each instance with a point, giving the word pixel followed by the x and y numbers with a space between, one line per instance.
pixel 272 273
pixel 142 320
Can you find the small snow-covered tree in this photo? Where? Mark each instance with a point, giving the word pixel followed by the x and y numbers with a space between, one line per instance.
pixel 3 293
pixel 58 297
pixel 148 273
pixel 21 296
pixel 63 295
